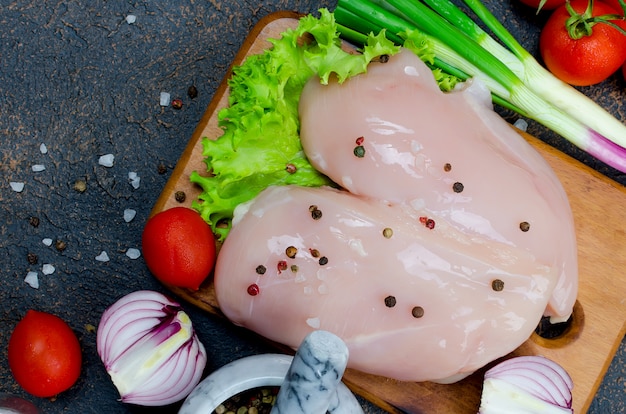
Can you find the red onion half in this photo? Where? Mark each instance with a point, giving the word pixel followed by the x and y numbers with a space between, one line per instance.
pixel 150 350
pixel 527 384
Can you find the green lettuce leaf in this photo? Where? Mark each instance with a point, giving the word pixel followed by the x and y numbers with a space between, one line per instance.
pixel 260 145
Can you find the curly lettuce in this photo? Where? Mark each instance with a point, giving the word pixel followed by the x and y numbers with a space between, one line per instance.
pixel 260 145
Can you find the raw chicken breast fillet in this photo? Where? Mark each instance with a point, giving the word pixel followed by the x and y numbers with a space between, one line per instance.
pixel 449 240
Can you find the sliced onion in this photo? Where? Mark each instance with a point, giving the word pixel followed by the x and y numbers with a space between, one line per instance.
pixel 150 350
pixel 527 384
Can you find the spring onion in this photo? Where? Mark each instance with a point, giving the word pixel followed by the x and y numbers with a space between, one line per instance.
pixel 511 75
pixel 150 350
pixel 527 384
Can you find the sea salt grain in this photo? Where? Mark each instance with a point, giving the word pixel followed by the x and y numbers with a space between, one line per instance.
pixel 133 253
pixel 32 280
pixel 129 215
pixel 521 124
pixel 17 186
pixel 131 18
pixel 134 179
pixel 43 149
pixel 38 167
pixel 164 99
pixel 47 241
pixel 47 269
pixel 102 257
pixel 106 160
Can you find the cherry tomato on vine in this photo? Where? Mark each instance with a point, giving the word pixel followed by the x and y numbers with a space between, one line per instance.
pixel 615 4
pixel 547 4
pixel 594 55
pixel 178 247
pixel 44 354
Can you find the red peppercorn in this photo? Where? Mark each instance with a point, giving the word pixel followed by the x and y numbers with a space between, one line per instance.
pixel 253 289
pixel 282 265
pixel 430 223
pixel 177 103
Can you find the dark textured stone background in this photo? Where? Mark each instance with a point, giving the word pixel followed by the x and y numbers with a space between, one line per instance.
pixel 76 77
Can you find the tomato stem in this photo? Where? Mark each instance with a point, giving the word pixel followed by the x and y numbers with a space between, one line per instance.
pixel 580 25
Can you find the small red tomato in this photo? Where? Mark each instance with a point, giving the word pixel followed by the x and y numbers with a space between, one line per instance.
pixel 587 60
pixel 178 247
pixel 44 354
pixel 547 4
pixel 615 4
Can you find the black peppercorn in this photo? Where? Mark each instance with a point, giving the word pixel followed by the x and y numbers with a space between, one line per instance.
pixel 390 301
pixel 497 285
pixel 192 92
pixel 180 196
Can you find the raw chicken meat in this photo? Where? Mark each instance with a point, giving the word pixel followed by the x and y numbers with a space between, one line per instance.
pixel 450 238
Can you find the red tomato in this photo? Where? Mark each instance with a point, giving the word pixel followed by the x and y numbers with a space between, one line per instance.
pixel 615 4
pixel 44 354
pixel 178 247
pixel 548 5
pixel 588 60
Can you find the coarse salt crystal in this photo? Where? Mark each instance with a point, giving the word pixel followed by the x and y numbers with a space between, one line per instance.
pixel 164 99
pixel 47 241
pixel 106 160
pixel 313 322
pixel 38 167
pixel 133 253
pixel 129 215
pixel 32 279
pixel 17 186
pixel 131 18
pixel 134 179
pixel 521 124
pixel 43 149
pixel 102 257
pixel 47 269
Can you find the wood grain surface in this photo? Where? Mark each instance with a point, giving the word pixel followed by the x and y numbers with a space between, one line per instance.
pixel 585 350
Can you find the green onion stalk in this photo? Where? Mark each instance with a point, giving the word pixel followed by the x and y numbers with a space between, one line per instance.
pixel 517 81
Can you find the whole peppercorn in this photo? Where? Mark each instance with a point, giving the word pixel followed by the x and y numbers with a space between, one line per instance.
pixel 177 103
pixel 253 289
pixel 32 258
pixel 161 169
pixel 80 185
pixel 524 226
pixel 60 245
pixel 192 92
pixel 291 252
pixel 497 285
pixel 359 151
pixel 390 301
pixel 34 221
pixel 291 168
pixel 417 312
pixel 316 213
pixel 180 196
pixel 387 232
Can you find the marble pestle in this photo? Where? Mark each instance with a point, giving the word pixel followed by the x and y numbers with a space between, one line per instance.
pixel 313 376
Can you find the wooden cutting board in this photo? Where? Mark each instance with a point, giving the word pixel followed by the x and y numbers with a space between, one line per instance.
pixel 586 350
